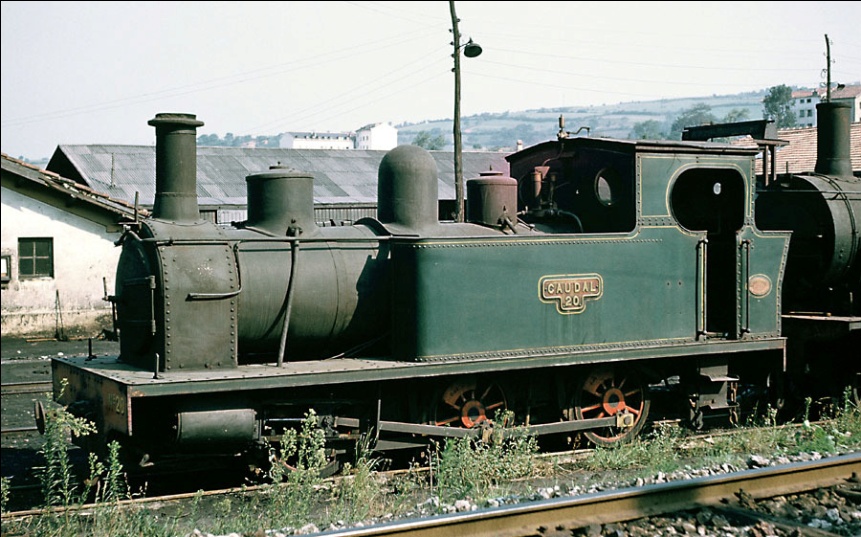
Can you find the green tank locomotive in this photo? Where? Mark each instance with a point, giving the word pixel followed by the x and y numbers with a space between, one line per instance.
pixel 597 269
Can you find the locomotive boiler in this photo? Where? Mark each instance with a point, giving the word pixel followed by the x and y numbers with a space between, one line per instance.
pixel 599 268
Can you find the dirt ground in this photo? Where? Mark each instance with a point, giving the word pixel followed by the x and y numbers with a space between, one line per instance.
pixel 45 348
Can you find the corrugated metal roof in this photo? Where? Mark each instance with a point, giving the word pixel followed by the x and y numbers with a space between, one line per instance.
pixel 340 176
pixel 68 188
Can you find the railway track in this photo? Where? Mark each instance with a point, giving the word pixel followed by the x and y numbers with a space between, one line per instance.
pixel 17 431
pixel 731 496
pixel 560 516
pixel 21 388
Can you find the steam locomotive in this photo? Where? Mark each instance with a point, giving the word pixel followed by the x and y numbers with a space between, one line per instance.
pixel 598 270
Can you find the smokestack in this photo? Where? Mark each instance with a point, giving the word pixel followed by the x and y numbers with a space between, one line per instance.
pixel 175 167
pixel 832 139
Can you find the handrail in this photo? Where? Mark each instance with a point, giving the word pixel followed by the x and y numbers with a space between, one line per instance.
pixel 702 282
pixel 746 245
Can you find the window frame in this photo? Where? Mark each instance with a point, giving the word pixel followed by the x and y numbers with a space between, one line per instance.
pixel 34 261
pixel 6 273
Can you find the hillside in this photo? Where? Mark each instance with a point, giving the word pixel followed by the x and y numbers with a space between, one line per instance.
pixel 501 131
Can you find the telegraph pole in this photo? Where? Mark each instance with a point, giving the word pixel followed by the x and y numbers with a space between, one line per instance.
pixel 470 50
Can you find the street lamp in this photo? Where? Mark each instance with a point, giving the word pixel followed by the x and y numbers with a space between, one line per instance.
pixel 470 50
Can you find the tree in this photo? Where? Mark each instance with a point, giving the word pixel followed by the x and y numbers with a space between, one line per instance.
pixel 208 140
pixel 698 114
pixel 777 105
pixel 648 130
pixel 426 140
pixel 736 114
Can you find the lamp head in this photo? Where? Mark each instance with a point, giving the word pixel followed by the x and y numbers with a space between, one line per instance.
pixel 471 49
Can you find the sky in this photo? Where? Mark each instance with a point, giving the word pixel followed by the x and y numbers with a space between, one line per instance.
pixel 96 72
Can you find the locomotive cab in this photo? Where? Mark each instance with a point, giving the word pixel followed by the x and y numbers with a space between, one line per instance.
pixel 610 186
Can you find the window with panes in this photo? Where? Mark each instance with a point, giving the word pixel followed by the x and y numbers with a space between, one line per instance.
pixel 35 257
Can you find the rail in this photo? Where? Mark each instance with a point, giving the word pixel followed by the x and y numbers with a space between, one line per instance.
pixel 626 504
pixel 20 388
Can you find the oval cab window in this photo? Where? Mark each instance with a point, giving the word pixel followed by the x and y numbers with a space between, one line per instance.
pixel 604 182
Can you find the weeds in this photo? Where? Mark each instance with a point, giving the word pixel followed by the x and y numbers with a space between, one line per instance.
pixel 291 502
pixel 464 468
pixel 5 487
pixel 468 468
pixel 670 448
pixel 65 494
pixel 841 431
pixel 359 492
pixel 56 478
pixel 656 452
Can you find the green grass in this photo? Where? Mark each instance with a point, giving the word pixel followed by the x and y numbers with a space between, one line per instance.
pixel 670 449
pixel 503 464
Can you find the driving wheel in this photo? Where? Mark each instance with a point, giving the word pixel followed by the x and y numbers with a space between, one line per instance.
pixel 467 403
pixel 610 393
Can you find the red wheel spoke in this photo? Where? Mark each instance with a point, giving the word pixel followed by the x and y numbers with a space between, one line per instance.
pixel 590 408
pixel 447 421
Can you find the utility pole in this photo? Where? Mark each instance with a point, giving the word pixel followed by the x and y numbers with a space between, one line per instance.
pixel 827 69
pixel 470 50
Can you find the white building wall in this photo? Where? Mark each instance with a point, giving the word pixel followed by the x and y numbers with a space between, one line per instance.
pixel 855 103
pixel 84 259
pixel 382 136
pixel 319 141
pixel 805 109
pixel 804 105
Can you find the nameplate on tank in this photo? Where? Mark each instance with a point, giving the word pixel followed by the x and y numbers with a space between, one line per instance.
pixel 570 292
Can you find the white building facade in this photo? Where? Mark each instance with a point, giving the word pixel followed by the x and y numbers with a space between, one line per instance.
pixel 804 103
pixel 316 140
pixel 377 136
pixel 58 258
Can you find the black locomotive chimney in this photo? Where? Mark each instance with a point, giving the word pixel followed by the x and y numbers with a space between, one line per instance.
pixel 832 139
pixel 175 167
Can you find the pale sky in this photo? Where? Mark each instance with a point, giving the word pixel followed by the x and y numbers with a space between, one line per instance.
pixel 96 72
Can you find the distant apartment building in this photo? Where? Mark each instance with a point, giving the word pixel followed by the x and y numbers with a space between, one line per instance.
pixel 382 136
pixel 377 136
pixel 804 103
pixel 316 140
